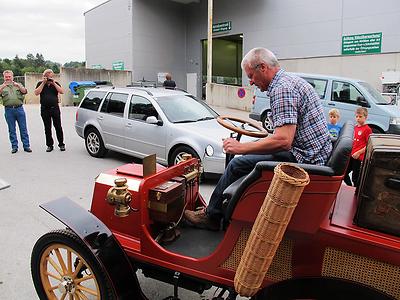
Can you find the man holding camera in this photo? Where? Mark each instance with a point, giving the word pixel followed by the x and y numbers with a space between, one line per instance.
pixel 48 89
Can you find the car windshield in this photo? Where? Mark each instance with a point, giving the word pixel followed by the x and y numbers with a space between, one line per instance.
pixel 376 96
pixel 185 109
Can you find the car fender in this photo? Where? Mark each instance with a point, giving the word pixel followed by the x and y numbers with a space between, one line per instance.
pixel 91 123
pixel 101 242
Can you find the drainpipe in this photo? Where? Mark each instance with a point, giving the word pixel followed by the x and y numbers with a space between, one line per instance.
pixel 209 47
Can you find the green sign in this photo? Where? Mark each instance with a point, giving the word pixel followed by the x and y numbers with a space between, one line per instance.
pixel 97 67
pixel 118 65
pixel 362 43
pixel 221 27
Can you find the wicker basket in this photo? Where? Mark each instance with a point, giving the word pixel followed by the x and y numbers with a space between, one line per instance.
pixel 270 225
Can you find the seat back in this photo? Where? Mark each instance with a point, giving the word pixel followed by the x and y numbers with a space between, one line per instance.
pixel 341 149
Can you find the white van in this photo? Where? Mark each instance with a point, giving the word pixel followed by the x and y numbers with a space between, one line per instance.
pixel 344 94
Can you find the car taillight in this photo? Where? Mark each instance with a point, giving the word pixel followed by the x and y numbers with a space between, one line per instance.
pixel 254 100
pixel 76 116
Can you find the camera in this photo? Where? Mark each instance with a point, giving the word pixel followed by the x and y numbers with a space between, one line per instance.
pixel 49 79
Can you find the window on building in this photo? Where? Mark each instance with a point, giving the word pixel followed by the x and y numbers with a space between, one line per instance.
pixel 141 108
pixel 114 104
pixel 92 100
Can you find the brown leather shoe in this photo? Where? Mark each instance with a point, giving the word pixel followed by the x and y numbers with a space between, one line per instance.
pixel 199 219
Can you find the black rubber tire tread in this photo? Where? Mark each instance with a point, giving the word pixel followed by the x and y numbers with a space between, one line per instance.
pixel 321 289
pixel 103 150
pixel 180 149
pixel 70 239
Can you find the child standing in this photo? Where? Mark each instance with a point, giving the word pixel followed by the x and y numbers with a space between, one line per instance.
pixel 333 127
pixel 361 134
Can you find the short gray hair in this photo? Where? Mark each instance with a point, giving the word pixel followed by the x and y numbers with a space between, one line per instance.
pixel 47 71
pixel 257 56
pixel 8 71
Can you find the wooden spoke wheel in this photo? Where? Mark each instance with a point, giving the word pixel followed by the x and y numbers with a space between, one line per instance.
pixel 244 127
pixel 64 268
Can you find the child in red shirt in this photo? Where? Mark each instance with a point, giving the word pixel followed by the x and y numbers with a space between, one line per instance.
pixel 361 134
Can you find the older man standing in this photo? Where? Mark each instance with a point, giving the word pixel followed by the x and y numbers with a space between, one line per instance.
pixel 300 135
pixel 12 94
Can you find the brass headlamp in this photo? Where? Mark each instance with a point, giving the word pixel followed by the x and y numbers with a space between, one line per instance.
pixel 119 196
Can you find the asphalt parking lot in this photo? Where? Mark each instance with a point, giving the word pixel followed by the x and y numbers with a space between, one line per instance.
pixel 38 177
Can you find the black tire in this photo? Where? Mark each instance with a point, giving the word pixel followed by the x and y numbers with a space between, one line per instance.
pixel 94 143
pixel 64 249
pixel 320 289
pixel 176 155
pixel 266 121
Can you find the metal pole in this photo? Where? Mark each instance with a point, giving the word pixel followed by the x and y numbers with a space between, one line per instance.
pixel 209 41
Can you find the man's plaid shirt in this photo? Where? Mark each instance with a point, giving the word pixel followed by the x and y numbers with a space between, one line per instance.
pixel 294 101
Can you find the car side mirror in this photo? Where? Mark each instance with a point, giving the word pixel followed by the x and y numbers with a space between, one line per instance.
pixel 362 101
pixel 154 120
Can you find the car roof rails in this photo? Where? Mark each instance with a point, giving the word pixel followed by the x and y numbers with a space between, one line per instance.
pixel 143 83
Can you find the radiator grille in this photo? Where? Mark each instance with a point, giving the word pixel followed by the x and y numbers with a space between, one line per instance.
pixel 281 267
pixel 371 272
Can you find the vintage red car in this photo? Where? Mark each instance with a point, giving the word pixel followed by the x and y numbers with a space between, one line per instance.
pixel 341 243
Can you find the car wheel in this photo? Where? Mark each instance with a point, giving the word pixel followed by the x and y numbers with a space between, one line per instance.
pixel 376 129
pixel 266 121
pixel 94 143
pixel 177 155
pixel 64 268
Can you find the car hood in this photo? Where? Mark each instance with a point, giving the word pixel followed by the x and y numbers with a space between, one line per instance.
pixel 210 129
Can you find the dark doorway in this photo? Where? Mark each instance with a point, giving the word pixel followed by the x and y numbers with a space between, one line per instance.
pixel 227 56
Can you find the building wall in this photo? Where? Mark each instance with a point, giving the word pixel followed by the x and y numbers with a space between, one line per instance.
pixel 166 35
pixel 159 40
pixel 108 34
pixel 308 30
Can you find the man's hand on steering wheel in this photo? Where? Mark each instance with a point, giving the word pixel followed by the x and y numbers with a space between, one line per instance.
pixel 232 146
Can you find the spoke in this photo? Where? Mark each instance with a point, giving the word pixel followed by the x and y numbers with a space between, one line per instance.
pixel 76 296
pixel 63 296
pixel 54 276
pixel 71 297
pixel 69 261
pixel 55 266
pixel 52 288
pixel 79 280
pixel 61 261
pixel 78 268
pixel 81 295
pixel 87 290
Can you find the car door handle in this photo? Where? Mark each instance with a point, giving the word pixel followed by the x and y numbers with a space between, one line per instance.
pixel 128 125
pixel 331 104
pixel 100 118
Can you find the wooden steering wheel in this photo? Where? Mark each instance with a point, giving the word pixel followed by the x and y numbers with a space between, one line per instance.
pixel 246 127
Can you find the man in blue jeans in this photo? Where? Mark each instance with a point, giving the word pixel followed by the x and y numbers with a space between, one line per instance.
pixel 12 94
pixel 300 134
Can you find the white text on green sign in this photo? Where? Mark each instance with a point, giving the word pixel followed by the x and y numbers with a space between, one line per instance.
pixel 118 65
pixel 362 43
pixel 221 27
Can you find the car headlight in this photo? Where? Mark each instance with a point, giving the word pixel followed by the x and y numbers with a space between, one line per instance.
pixel 395 120
pixel 209 150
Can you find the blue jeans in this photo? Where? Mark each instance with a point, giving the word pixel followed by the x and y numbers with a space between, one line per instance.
pixel 238 167
pixel 12 116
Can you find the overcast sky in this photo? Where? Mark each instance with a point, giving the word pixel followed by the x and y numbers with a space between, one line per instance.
pixel 54 28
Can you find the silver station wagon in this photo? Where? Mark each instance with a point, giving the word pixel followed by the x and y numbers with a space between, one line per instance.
pixel 142 121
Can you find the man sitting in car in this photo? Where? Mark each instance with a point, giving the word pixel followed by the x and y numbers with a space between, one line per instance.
pixel 300 135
